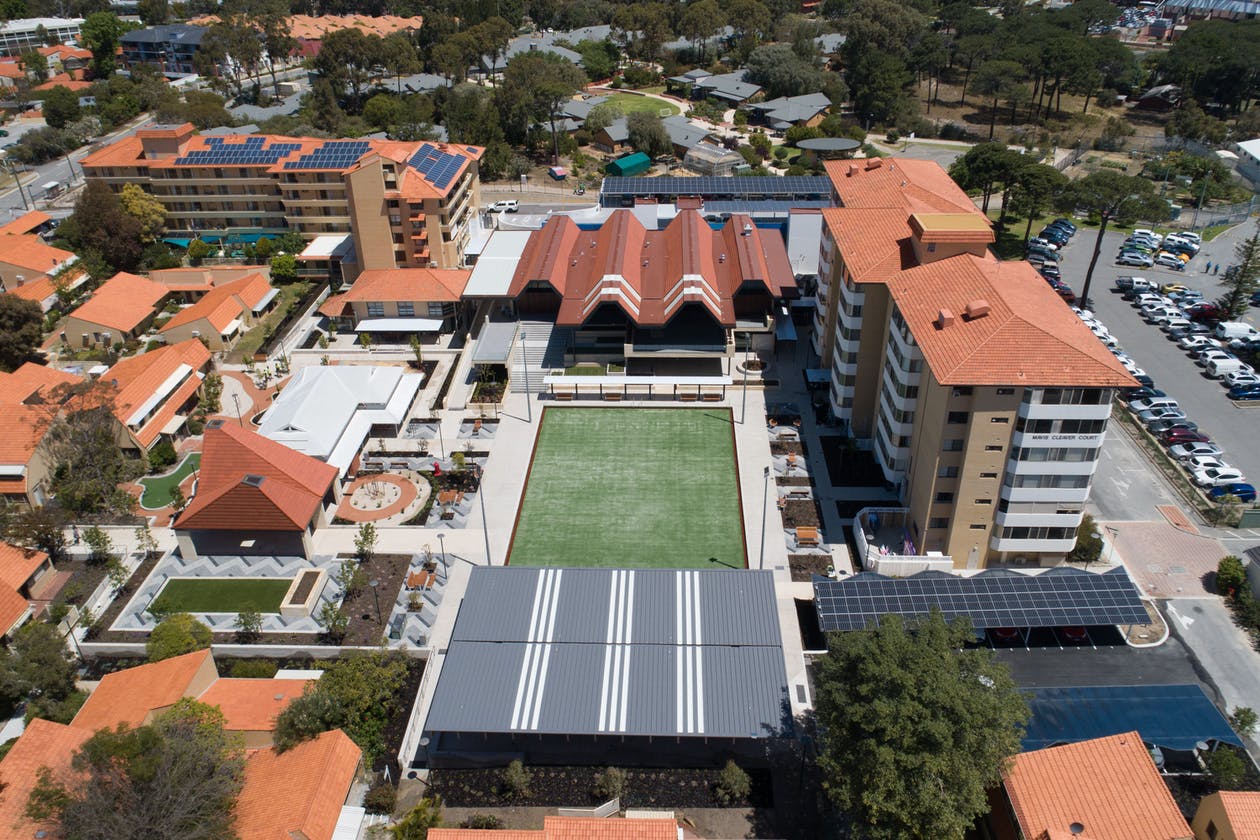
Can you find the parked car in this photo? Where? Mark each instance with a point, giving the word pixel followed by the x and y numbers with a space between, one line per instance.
pixel 1255 298
pixel 1149 234
pixel 510 205
pixel 1143 379
pixel 1245 492
pixel 1154 403
pixel 1042 243
pixel 1037 252
pixel 1242 378
pixel 1139 394
pixel 1204 462
pixel 1244 393
pixel 1193 329
pixel 1064 223
pixel 1196 343
pixel 1171 288
pixel 1206 357
pixel 1218 476
pixel 1167 260
pixel 1134 258
pixel 1220 367
pixel 1186 451
pixel 1162 413
pixel 1174 437
pixel 1050 271
pixel 1171 424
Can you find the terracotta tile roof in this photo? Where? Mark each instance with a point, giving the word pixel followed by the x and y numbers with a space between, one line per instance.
pixel 252 705
pixel 300 790
pixel 223 304
pixel 408 284
pixel 1108 785
pixel 17 564
pixel 25 223
pixel 64 80
pixel 139 379
pixel 1029 336
pixel 334 306
pixel 43 744
pixel 23 419
pixel 128 151
pixel 292 487
pixel 32 253
pixel 128 696
pixel 37 290
pixel 197 279
pixel 12 70
pixel 875 244
pixel 951 227
pixel 1243 810
pixel 652 274
pixel 311 28
pixel 32 383
pixel 571 828
pixel 918 186
pixel 122 302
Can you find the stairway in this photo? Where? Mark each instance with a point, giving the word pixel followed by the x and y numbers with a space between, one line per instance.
pixel 545 346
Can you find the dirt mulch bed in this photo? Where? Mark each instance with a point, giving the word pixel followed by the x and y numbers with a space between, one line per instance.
pixel 805 566
pixel 116 606
pixel 792 481
pixel 575 787
pixel 426 367
pixel 84 578
pixel 787 447
pixel 1187 790
pixel 801 513
pixel 364 628
pixel 849 467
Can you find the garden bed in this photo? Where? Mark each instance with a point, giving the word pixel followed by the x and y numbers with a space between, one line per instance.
pixel 364 629
pixel 575 787
pixel 801 513
pixel 848 466
pixel 792 481
pixel 805 566
pixel 787 447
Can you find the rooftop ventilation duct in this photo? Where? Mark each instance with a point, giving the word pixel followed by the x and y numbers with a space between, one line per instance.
pixel 944 318
pixel 977 308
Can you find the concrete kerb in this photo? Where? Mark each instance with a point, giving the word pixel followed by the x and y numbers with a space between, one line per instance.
pixel 1163 622
pixel 94 649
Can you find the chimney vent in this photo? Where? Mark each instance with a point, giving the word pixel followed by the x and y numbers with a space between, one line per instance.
pixel 722 258
pixel 977 308
pixel 944 319
pixel 748 229
pixel 874 163
pixel 853 170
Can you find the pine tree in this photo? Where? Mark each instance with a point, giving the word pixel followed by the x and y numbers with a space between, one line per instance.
pixel 1243 277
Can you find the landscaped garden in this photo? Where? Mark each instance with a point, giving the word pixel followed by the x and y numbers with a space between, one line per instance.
pixel 221 595
pixel 634 488
pixel 159 489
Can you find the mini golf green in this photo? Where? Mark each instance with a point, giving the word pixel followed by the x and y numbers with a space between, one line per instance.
pixel 222 595
pixel 632 488
pixel 158 490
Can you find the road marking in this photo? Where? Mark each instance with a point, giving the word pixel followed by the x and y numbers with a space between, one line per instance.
pixel 1185 620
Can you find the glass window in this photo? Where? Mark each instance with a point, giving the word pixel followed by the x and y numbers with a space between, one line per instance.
pixel 947 472
pixel 957 417
pixel 952 445
pixel 938 522
pixel 406 309
pixel 376 309
pixel 944 497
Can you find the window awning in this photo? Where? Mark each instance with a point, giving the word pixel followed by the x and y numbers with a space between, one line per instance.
pixel 231 328
pixel 174 424
pixel 266 299
pixel 177 241
pixel 396 325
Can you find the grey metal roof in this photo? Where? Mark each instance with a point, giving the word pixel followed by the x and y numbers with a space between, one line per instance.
pixel 729 86
pixel 682 133
pixel 494 345
pixel 788 110
pixel 641 652
pixel 167 34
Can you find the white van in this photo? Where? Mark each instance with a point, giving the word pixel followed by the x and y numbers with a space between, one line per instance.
pixel 1235 329
pixel 1219 367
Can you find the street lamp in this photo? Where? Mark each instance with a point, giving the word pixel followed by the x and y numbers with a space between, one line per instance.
pixel 236 401
pixel 442 547
pixel 374 583
pixel 765 502
pixel 529 409
pixel 743 411
pixel 13 171
pixel 481 494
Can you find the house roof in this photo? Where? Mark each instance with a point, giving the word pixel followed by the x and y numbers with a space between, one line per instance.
pixel 651 274
pixel 408 284
pixel 32 253
pixel 297 793
pixel 128 696
pixel 32 383
pixel 875 242
pixel 789 110
pixel 16 567
pixel 122 302
pixel 1028 336
pixel 916 186
pixel 1243 810
pixel 252 704
pixel 26 223
pixel 24 420
pixel 729 86
pixel 223 304
pixel 164 378
pixel 1108 785
pixel 174 33
pixel 246 478
pixel 571 828
pixel 43 744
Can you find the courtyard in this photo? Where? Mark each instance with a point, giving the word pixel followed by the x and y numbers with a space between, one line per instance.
pixel 632 488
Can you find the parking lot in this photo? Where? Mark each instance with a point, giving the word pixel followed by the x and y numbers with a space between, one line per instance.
pixel 1174 372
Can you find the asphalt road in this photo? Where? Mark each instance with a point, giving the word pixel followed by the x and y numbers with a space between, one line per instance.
pixel 1174 372
pixel 1221 649
pixel 1126 487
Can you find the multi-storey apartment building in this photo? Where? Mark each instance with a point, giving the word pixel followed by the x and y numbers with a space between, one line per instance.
pixel 19 36
pixel 982 396
pixel 406 204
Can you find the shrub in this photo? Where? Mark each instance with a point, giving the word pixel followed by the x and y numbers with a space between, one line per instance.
pixel 485 822
pixel 162 456
pixel 610 784
pixel 176 635
pixel 1231 576
pixel 1244 720
pixel 733 785
pixel 253 669
pixel 380 798
pixel 516 780
pixel 1226 768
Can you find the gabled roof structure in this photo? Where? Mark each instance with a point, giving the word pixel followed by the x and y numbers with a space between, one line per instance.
pixel 153 386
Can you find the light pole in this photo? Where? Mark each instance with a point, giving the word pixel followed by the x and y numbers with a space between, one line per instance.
pixel 13 169
pixel 374 583
pixel 1111 544
pixel 442 547
pixel 236 401
pixel 743 410
pixel 529 409
pixel 481 494
pixel 765 502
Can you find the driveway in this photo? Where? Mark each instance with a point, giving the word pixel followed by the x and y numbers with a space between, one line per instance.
pixel 1224 652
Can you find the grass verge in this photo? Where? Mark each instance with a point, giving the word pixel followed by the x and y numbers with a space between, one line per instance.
pixel 158 491
pixel 206 595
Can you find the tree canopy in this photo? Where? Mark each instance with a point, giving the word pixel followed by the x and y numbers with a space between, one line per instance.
pixel 21 328
pixel 176 635
pixel 917 727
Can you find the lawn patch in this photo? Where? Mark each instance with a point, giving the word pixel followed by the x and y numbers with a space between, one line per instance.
pixel 158 490
pixel 629 103
pixel 222 595
pixel 632 488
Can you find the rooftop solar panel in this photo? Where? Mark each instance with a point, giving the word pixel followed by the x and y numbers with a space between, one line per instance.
pixel 1056 598
pixel 735 186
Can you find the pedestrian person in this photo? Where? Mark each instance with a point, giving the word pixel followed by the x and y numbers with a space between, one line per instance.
pixel 1216 268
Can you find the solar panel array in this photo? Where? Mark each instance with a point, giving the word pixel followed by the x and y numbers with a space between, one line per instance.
pixel 247 152
pixel 437 167
pixel 335 154
pixel 762 206
pixel 1059 598
pixel 734 185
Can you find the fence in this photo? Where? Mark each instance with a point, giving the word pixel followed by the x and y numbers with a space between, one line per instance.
pixel 609 808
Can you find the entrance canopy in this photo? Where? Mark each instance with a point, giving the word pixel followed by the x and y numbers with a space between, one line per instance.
pixel 399 325
pixel 1059 597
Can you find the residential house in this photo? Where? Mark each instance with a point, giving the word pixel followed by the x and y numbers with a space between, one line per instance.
pixel 33 221
pixel 548 41
pixel 1228 815
pixel 172 47
pixel 615 137
pixel 1103 789
pixel 21 571
pixel 728 87
pixel 790 111
pixel 255 496
pixel 27 411
pixel 309 31
pixel 399 301
pixel 43 745
pixel 28 264
pixel 121 309
pixel 664 827
pixel 155 393
pixel 190 284
pixel 223 314
pixel 303 792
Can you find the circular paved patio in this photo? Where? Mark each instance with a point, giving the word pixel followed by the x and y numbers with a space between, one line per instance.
pixel 402 491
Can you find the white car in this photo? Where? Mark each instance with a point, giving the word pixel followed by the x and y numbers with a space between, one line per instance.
pixel 1159 402
pixel 1241 377
pixel 1206 357
pixel 1184 451
pixel 1218 477
pixel 1164 413
pixel 509 206
pixel 1204 462
pixel 1197 343
pixel 1149 234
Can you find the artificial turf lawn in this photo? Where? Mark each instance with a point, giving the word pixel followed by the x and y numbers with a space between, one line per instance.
pixel 207 595
pixel 157 491
pixel 632 488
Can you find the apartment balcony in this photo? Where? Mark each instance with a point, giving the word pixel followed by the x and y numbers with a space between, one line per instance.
pixel 1031 546
pixel 1067 495
pixel 1051 467
pixel 1043 411
pixel 1038 515
pixel 885 543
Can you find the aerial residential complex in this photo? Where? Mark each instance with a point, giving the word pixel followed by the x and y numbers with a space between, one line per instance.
pixel 984 398
pixel 406 204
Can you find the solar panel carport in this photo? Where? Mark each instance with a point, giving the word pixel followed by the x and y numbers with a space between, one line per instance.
pixel 562 664
pixel 997 598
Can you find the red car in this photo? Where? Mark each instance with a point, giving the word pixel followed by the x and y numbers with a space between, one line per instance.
pixel 1177 436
